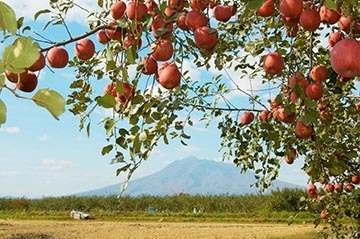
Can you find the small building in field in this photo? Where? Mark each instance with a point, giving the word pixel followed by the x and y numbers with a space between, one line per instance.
pixel 79 215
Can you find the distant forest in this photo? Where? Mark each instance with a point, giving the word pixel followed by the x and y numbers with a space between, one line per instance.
pixel 278 200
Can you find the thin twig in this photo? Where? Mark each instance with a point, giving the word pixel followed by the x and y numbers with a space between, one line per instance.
pixel 63 43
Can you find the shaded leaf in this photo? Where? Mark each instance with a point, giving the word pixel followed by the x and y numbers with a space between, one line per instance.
pixel 37 14
pixel 107 149
pixel 51 100
pixel 2 81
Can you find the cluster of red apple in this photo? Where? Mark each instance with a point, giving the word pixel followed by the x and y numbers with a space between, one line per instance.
pixel 161 49
pixel 332 188
pixel 56 57
pixel 344 59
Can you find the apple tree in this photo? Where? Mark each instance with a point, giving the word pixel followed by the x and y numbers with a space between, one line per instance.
pixel 296 62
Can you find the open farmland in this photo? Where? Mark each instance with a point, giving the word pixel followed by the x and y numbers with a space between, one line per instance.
pixel 35 229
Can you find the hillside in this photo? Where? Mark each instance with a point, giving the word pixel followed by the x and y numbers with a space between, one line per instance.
pixel 192 176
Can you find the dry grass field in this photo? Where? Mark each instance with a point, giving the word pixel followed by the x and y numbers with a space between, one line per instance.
pixel 35 229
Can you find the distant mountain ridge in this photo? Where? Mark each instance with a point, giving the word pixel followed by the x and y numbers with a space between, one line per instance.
pixel 192 176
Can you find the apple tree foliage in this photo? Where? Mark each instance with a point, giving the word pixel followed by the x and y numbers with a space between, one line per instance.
pixel 284 118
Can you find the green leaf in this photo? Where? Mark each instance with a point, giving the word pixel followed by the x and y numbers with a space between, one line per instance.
pixel 311 116
pixel 107 149
pixel 7 18
pixel 20 22
pixel 131 54
pixel 106 101
pixel 100 3
pixel 37 14
pixel 310 103
pixel 331 4
pixel 20 55
pixel 122 169
pixel 250 6
pixel 109 126
pixel 2 112
pixel 51 100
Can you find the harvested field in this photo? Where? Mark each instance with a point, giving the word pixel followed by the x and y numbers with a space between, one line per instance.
pixel 13 229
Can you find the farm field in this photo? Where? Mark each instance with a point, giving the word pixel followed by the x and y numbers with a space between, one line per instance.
pixel 38 229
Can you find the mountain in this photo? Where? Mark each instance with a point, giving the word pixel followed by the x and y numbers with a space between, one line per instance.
pixel 192 176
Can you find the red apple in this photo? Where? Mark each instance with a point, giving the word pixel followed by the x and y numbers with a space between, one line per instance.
pixel 283 117
pixel 84 49
pixel 314 91
pixel 299 79
pixel 310 19
pixel 319 73
pixel 169 75
pixel 291 22
pixel 125 93
pixel 162 50
pixel 131 40
pixel 136 10
pixel 199 4
pixel 195 19
pixel 273 63
pixel 114 34
pixel 264 115
pixel 102 37
pixel 355 179
pixel 323 214
pixel 150 65
pixel 15 77
pixel 160 28
pixel 117 10
pixel 289 159
pixel 349 187
pixel 57 57
pixel 328 15
pixel 180 22
pixel 303 131
pixel 345 58
pixel 206 38
pixel 247 118
pixel 27 83
pixel 176 5
pixel 223 13
pixel 39 63
pixel 346 24
pixel 291 8
pixel 335 38
pixel 330 187
pixel 338 187
pixel 267 8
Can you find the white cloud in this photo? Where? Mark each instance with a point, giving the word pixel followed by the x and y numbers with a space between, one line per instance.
pixel 30 7
pixel 55 164
pixel 9 173
pixel 10 130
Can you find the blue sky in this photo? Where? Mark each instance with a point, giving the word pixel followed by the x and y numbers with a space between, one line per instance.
pixel 44 157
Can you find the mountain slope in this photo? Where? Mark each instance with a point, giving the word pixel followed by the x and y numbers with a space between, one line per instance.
pixel 193 176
